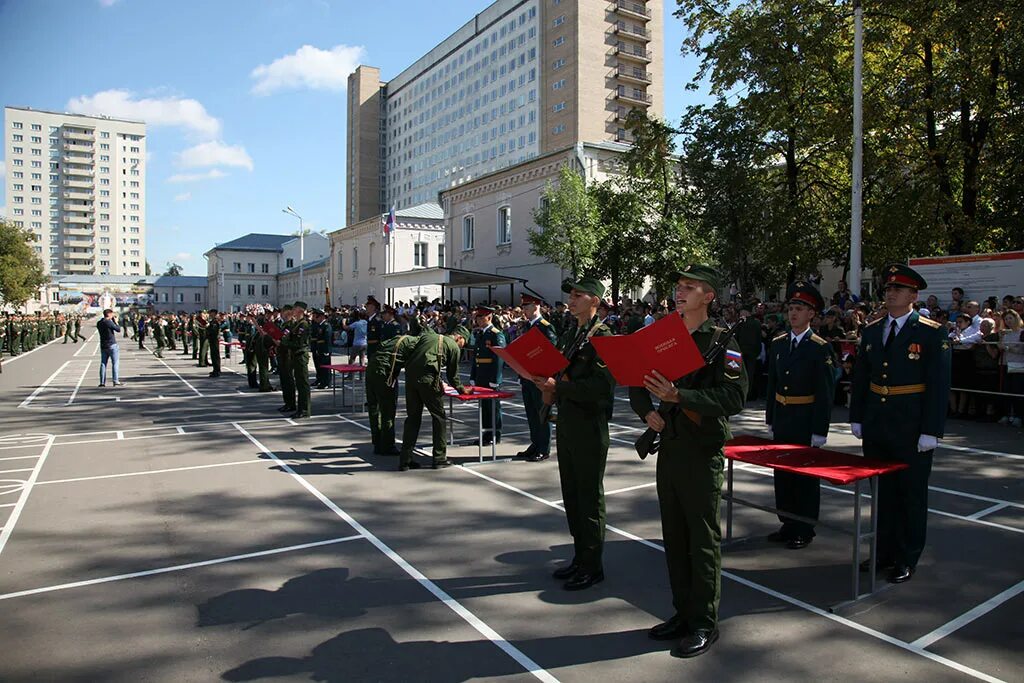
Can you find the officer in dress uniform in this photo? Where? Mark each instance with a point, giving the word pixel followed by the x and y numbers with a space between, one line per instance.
pixel 298 348
pixel 487 370
pixel 321 347
pixel 373 326
pixel 540 432
pixel 898 407
pixel 284 362
pixel 694 426
pixel 801 386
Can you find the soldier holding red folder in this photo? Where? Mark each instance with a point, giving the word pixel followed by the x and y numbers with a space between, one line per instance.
pixel 540 432
pixel 691 464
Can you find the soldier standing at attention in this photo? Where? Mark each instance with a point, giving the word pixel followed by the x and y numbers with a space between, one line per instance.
pixel 203 322
pixel 193 328
pixel 801 389
pixel 263 344
pixel 213 341
pixel 898 406
pixel 284 363
pixel 298 352
pixel 694 428
pixel 321 348
pixel 540 432
pixel 247 337
pixel 487 370
pixel 382 381
pixel 584 399
pixel 158 336
pixel 373 326
pixel 432 355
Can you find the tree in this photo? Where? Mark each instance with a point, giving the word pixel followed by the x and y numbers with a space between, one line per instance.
pixel 568 228
pixel 173 269
pixel 624 236
pixel 149 270
pixel 21 271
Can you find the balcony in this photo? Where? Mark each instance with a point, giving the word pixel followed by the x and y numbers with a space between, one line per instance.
pixel 87 208
pixel 80 255
pixel 82 137
pixel 88 220
pixel 82 172
pixel 79 267
pixel 78 147
pixel 633 96
pixel 78 195
pixel 632 9
pixel 624 137
pixel 79 159
pixel 622 113
pixel 633 52
pixel 630 31
pixel 84 184
pixel 77 231
pixel 633 74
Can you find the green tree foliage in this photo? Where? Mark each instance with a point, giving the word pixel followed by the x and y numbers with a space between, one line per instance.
pixel 21 271
pixel 173 269
pixel 568 231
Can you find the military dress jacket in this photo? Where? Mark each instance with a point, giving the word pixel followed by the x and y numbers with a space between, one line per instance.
pixel 902 392
pixel 801 388
pixel 487 365
pixel 431 356
pixel 587 386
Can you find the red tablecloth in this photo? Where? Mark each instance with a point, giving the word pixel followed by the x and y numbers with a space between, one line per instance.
pixel 477 393
pixel 832 466
pixel 345 368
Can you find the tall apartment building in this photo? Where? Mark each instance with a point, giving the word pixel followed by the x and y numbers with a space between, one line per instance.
pixel 521 79
pixel 79 184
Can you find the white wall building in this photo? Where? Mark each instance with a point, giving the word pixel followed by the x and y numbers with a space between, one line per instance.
pixel 360 257
pixel 79 184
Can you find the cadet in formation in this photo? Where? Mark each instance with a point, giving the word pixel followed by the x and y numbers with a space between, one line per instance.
pixel 801 389
pixel 431 355
pixel 264 346
pixel 898 406
pixel 487 370
pixel 297 341
pixel 321 347
pixel 693 422
pixel 213 341
pixel 583 396
pixel 284 362
pixel 540 430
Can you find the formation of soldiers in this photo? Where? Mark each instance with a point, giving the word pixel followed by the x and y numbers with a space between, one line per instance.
pixel 22 332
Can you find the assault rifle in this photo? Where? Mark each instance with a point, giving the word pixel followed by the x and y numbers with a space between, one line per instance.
pixel 582 335
pixel 650 441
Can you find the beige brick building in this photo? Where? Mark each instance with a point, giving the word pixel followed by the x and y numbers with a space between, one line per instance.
pixel 79 184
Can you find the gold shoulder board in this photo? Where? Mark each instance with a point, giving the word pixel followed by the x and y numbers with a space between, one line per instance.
pixel 929 322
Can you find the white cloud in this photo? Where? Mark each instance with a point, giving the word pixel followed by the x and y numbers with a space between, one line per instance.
pixel 308 68
pixel 166 111
pixel 181 256
pixel 183 197
pixel 108 3
pixel 215 153
pixel 212 174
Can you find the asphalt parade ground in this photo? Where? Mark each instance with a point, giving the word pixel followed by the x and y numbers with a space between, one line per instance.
pixel 178 529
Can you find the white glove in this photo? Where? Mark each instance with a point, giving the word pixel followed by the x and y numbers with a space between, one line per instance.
pixel 855 428
pixel 926 442
pixel 818 441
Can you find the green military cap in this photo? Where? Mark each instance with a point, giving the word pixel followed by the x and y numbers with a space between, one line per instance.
pixel 300 304
pixel 701 272
pixel 483 310
pixel 801 292
pixel 461 331
pixel 590 285
pixel 899 275
pixel 286 307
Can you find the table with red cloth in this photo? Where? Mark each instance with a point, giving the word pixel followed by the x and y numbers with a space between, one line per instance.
pixel 833 467
pixel 478 394
pixel 345 371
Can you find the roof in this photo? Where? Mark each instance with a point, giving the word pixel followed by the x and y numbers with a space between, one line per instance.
pixel 256 241
pixel 449 277
pixel 306 266
pixel 155 280
pixel 178 280
pixel 426 210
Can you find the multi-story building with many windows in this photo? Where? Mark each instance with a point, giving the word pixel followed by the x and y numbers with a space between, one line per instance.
pixel 79 184
pixel 521 79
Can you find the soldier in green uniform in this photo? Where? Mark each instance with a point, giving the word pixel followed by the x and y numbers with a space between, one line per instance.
pixel 202 323
pixel 159 335
pixel 540 431
pixel 298 351
pixel 263 344
pixel 487 370
pixel 693 422
pixel 898 406
pixel 584 398
pixel 382 382
pixel 431 355
pixel 801 390
pixel 213 341
pixel 321 348
pixel 284 363
pixel 246 337
pixel 373 326
pixel 78 329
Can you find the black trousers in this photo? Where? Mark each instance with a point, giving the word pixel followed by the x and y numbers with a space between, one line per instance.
pixel 902 500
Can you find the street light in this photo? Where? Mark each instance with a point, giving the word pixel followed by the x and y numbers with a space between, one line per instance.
pixel 302 251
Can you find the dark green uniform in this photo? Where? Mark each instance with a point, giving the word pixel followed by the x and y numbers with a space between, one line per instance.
pixel 487 372
pixel 213 344
pixel 801 388
pixel 382 390
pixel 540 432
pixel 900 392
pixel 247 337
pixel 204 343
pixel 159 332
pixel 298 352
pixel 689 478
pixel 262 347
pixel 432 355
pixel 284 369
pixel 584 401
pixel 321 348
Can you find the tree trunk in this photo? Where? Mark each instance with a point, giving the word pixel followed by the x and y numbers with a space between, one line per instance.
pixel 935 155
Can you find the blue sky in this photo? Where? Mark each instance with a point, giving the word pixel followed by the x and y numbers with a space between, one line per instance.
pixel 244 99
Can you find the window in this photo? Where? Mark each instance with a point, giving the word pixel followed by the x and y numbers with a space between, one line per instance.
pixel 467 233
pixel 559 20
pixel 558 107
pixel 355 260
pixel 179 298
pixel 198 298
pixel 341 263
pixel 265 290
pixel 440 256
pixel 504 225
pixel 236 267
pixel 557 64
pixel 252 267
pixel 558 85
pixel 560 128
pixel 163 297
pixel 289 263
pixel 420 255
pixel 264 267
pixel 238 290
pixel 251 290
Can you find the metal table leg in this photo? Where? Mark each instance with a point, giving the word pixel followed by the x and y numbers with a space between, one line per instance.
pixel 874 532
pixel 334 390
pixel 480 430
pixel 856 540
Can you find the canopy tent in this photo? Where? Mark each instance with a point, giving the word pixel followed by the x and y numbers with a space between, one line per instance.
pixel 452 279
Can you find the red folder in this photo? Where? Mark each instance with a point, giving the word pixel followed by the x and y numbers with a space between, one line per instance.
pixel 665 346
pixel 532 355
pixel 275 332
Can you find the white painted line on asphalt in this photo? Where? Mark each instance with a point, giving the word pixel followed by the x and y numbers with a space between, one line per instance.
pixel 85 345
pixel 975 496
pixel 450 602
pixel 177 567
pixel 78 386
pixel 145 472
pixel 775 594
pixel 12 359
pixel 5 535
pixel 28 401
pixel 120 436
pixel 187 383
pixel 614 491
pixel 8 505
pixel 179 428
pixel 969 616
pixel 21 457
pixel 989 510
pixel 26 469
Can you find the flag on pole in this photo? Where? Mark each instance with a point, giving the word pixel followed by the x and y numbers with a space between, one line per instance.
pixel 388 226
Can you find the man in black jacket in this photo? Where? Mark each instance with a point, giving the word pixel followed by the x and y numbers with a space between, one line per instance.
pixel 108 330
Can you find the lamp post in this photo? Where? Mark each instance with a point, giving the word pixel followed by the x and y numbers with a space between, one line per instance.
pixel 302 252
pixel 858 146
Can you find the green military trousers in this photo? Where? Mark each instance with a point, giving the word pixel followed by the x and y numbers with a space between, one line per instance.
pixel 582 442
pixel 300 379
pixel 204 351
pixel 263 368
pixel 382 402
pixel 689 491
pixel 418 396
pixel 284 371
